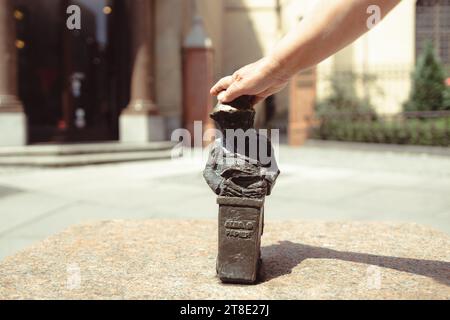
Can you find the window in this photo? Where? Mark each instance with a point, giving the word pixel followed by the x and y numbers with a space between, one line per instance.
pixel 433 23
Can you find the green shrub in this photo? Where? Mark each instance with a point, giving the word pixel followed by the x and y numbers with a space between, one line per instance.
pixel 343 98
pixel 343 116
pixel 447 99
pixel 428 88
pixel 430 132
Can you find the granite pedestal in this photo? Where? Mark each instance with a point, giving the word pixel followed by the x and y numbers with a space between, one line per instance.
pixel 174 259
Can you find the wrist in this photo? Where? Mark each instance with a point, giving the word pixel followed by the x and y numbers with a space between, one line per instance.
pixel 279 67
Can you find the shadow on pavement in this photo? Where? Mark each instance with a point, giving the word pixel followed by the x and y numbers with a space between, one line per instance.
pixel 281 258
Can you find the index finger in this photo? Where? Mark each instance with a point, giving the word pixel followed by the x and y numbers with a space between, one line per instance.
pixel 221 85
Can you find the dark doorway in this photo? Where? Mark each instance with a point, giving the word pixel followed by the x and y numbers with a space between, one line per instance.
pixel 73 83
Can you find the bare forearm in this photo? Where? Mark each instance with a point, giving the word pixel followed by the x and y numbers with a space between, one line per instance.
pixel 329 27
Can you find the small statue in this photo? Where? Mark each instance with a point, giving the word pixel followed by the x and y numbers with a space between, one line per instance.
pixel 241 170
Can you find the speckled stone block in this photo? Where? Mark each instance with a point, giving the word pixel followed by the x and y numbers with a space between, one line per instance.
pixel 175 259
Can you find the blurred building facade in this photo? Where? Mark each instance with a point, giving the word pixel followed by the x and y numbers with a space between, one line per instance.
pixel 127 59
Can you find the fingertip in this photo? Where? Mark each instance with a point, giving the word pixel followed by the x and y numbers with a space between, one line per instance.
pixel 227 96
pixel 215 89
pixel 222 96
pixel 221 85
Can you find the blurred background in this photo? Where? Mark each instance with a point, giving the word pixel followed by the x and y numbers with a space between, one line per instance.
pixel 364 135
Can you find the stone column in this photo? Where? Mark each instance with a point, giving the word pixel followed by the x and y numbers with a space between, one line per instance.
pixel 197 81
pixel 141 121
pixel 302 97
pixel 12 118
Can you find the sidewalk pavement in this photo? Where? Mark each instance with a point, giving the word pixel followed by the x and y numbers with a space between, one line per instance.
pixel 328 182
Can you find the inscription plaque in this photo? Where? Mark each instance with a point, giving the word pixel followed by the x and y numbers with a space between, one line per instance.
pixel 240 228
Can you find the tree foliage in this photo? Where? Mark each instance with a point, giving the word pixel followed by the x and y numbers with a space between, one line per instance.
pixel 428 88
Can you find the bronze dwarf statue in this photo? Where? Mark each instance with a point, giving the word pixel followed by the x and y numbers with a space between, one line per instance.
pixel 241 170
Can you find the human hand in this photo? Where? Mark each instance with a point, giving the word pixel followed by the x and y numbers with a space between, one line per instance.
pixel 258 185
pixel 258 188
pixel 229 188
pixel 255 193
pixel 260 79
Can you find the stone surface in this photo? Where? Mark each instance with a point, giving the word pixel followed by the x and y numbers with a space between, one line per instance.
pixel 85 153
pixel 141 128
pixel 13 127
pixel 148 259
pixel 320 182
pixel 86 159
pixel 84 148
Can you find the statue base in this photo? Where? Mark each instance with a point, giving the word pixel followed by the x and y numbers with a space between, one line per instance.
pixel 241 222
